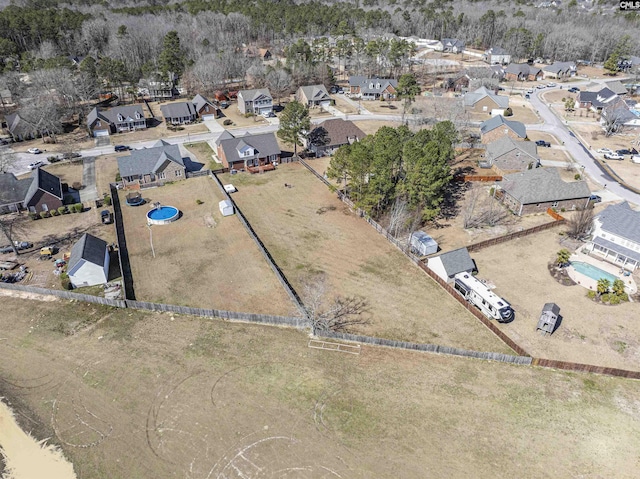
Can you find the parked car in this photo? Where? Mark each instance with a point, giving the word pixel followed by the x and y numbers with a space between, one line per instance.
pixel 224 105
pixel 623 152
pixel 540 87
pixel 635 159
pixel 36 164
pixel 121 148
pixel 595 199
pixel 268 114
pixel 35 151
pixel 613 156
pixel 551 85
pixel 546 144
pixel 105 215
pixel 530 91
pixel 604 150
pixel 574 89
pixel 20 245
pixel 71 154
pixel 527 96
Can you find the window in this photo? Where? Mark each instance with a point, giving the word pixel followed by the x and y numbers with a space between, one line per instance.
pixel 178 172
pixel 98 123
pixel 554 204
pixel 120 118
pixel 162 175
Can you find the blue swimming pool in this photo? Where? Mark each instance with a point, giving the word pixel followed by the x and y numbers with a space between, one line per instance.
pixel 162 215
pixel 592 271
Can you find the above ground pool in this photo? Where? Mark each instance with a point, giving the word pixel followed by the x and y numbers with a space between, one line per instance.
pixel 162 215
pixel 592 271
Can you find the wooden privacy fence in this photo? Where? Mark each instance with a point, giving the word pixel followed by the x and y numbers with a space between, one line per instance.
pixel 465 178
pixel 116 303
pixel 588 368
pixel 511 236
pixel 555 215
pixel 432 348
pixel 196 174
pixel 123 252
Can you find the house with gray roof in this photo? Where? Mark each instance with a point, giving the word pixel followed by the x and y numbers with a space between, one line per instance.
pixel 522 72
pixel 447 265
pixel 616 236
pixel 616 87
pixel 313 95
pixel 496 56
pixel 21 129
pixel 536 190
pixel 373 88
pixel 595 100
pixel 560 70
pixel 484 100
pixel 179 113
pixel 89 262
pixel 205 109
pixel 251 153
pixel 498 126
pixel 507 155
pixel 618 114
pixel 452 45
pixel 155 165
pixel 42 191
pixel 331 134
pixel 119 119
pixel 255 101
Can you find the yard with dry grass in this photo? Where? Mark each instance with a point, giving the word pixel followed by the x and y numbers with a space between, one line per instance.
pixel 590 333
pixel 343 105
pixel 239 120
pixel 203 153
pixel 370 127
pixel 201 260
pixel 310 232
pixel 127 394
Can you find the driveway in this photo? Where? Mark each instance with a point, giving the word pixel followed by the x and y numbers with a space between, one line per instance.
pixel 89 192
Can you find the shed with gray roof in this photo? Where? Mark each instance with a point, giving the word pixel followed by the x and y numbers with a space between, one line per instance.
pixel 162 162
pixel 89 262
pixel 447 265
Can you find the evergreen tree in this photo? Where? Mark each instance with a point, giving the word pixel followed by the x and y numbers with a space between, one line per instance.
pixel 408 88
pixel 294 123
pixel 171 58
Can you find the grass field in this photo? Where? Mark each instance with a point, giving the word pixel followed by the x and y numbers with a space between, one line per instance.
pixel 203 259
pixel 309 231
pixel 131 395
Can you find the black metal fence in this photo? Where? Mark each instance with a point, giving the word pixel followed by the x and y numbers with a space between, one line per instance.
pixel 123 252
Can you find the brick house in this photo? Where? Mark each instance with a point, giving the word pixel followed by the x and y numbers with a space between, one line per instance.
pixel 313 95
pixel 256 101
pixel 120 119
pixel 497 127
pixel 42 191
pixel 205 109
pixel 163 162
pixel 522 72
pixel 330 135
pixel 249 153
pixel 560 70
pixel 506 155
pixel 483 100
pixel 595 100
pixel 536 190
pixel 373 88
pixel 179 113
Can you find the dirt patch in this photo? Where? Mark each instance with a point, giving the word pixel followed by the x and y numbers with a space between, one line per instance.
pixel 370 127
pixel 202 259
pixel 405 303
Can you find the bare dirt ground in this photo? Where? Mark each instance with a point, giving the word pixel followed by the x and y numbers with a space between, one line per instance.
pixel 369 127
pixel 106 171
pixel 238 119
pixel 342 105
pixel 627 170
pixel 202 259
pixel 590 333
pixel 151 395
pixel 309 231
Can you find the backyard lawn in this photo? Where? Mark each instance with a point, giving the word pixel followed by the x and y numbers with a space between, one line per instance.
pixel 202 259
pixel 310 232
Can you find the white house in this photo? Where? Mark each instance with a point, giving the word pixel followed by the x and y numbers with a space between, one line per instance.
pixel 89 262
pixel 616 236
pixel 447 265
pixel 496 56
pixel 256 101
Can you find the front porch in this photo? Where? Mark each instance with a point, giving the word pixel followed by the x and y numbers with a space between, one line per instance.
pixel 610 252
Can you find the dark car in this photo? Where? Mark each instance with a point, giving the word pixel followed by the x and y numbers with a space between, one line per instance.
pixel 595 199
pixel 623 152
pixel 20 245
pixel 121 148
pixel 106 217
pixel 224 105
pixel 546 144
pixel 527 96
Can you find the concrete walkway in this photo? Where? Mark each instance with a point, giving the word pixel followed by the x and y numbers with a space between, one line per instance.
pixel 89 192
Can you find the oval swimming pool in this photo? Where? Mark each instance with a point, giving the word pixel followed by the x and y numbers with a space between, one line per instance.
pixel 592 271
pixel 162 215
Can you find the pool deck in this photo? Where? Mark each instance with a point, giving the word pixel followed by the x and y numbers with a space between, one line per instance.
pixel 592 284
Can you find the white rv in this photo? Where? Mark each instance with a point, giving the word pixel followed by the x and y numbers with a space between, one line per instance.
pixel 478 294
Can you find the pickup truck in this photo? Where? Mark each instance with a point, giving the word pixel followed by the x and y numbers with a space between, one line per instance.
pixel 20 245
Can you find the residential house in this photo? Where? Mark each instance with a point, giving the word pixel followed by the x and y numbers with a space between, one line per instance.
pixel 560 70
pixel 496 56
pixel 42 191
pixel 483 100
pixel 119 119
pixel 373 88
pixel 21 129
pixel 313 95
pixel 89 262
pixel 264 54
pixel 5 97
pixel 616 87
pixel 250 152
pixel 155 165
pixel 158 88
pixel 179 113
pixel 256 101
pixel 507 155
pixel 497 127
pixel 452 45
pixel 330 135
pixel 457 84
pixel 536 190
pixel 522 72
pixel 595 100
pixel 447 265
pixel 619 114
pixel 615 236
pixel 205 109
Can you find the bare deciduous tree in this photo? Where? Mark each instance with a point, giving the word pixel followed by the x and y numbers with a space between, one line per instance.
pixel 482 209
pixel 399 217
pixel 279 82
pixel 7 158
pixel 580 222
pixel 12 225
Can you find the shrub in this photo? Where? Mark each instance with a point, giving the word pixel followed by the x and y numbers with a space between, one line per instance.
pixel 44 214
pixel 33 216
pixel 623 297
pixel 492 190
pixel 227 122
pixel 577 176
pixel 107 200
pixel 508 112
pixel 613 299
pixel 118 177
pixel 78 207
pixel 76 185
pixel 199 202
pixel 62 210
pixel 591 295
pixel 562 210
pixel 65 281
pixel 605 297
pixel 53 212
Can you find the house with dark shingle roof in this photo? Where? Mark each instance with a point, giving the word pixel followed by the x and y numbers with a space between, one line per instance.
pixel 256 101
pixel 179 113
pixel 484 100
pixel 616 236
pixel 331 134
pixel 507 155
pixel 373 88
pixel 595 100
pixel 447 265
pixel 163 162
pixel 619 113
pixel 559 70
pixel 498 126
pixel 21 129
pixel 119 119
pixel 452 45
pixel 249 151
pixel 40 192
pixel 205 109
pixel 536 190
pixel 89 262
pixel 313 95
pixel 522 72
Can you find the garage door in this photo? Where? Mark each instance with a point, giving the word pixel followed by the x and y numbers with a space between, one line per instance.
pixel 98 133
pixel 208 117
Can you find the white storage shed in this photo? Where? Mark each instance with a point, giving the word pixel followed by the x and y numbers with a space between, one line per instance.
pixel 226 207
pixel 89 262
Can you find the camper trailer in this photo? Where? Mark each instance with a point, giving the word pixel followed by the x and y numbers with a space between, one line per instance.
pixel 478 294
pixel 422 244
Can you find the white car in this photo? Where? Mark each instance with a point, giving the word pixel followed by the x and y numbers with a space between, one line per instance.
pixel 35 151
pixel 36 164
pixel 604 150
pixel 613 156
pixel 635 159
pixel 551 85
pixel 530 91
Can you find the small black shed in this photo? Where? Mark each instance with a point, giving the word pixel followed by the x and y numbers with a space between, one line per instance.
pixel 549 318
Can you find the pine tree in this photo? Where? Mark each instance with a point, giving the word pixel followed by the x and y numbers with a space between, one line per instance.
pixel 294 123
pixel 171 58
